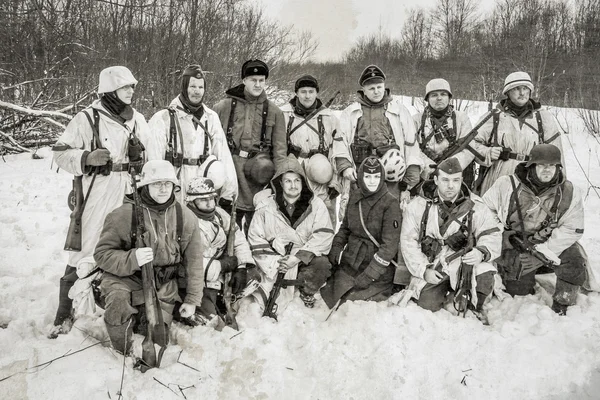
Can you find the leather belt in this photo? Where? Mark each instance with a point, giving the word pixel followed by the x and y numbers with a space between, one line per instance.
pixel 120 167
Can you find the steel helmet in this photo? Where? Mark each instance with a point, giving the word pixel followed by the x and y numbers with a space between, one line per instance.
pixel 544 154
pixel 214 170
pixel 113 78
pixel 158 171
pixel 260 169
pixel 318 169
pixel 200 188
pixel 393 165
pixel 437 84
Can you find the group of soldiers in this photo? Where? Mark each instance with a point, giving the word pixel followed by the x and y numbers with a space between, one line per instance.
pixel 413 224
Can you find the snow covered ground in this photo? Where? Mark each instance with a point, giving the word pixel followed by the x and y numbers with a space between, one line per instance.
pixel 364 351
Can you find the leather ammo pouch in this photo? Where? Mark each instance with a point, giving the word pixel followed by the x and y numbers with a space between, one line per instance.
pixel 430 247
pixel 163 275
pixel 360 150
pixel 381 150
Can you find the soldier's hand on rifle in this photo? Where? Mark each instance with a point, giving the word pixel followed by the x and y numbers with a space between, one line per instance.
pixel 495 153
pixel 228 263
pixel 98 157
pixel 287 262
pixel 546 252
pixel 432 276
pixel 473 257
pixel 144 255
pixel 350 174
pixel 187 310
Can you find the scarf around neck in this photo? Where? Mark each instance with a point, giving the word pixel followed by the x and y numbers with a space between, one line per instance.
pixel 116 107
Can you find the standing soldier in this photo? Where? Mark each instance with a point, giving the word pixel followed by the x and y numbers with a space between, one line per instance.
pixel 447 232
pixel 367 241
pixel 543 217
pixel 187 133
pixel 378 124
pixel 97 147
pixel 511 131
pixel 311 127
pixel 287 213
pixel 171 239
pixel 255 131
pixel 439 130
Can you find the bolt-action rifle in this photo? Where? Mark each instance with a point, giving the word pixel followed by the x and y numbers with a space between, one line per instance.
pixel 280 283
pixel 157 332
pixel 227 294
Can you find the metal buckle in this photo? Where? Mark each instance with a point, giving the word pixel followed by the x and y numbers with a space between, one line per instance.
pixel 520 157
pixel 243 154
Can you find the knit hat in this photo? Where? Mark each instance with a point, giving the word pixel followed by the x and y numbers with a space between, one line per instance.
pixel 450 166
pixel 544 154
pixel 515 79
pixel 255 67
pixel 370 165
pixel 113 78
pixel 306 81
pixel 371 74
pixel 437 84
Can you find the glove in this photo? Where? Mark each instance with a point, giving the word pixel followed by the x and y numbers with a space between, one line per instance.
pixel 228 263
pixel 549 254
pixel 363 281
pixel 334 256
pixel 144 255
pixel 225 205
pixel 332 193
pixel 98 157
pixel 457 240
pixel 529 262
pixel 238 280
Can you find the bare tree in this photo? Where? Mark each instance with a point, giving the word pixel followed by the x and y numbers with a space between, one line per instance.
pixel 454 20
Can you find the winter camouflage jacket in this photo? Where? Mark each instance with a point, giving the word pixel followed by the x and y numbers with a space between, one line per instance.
pixel 487 234
pixel 306 140
pixel 270 230
pixel 115 252
pixel 108 191
pixel 520 137
pixel 191 141
pixel 434 150
pixel 570 212
pixel 214 239
pixel 402 126
pixel 246 133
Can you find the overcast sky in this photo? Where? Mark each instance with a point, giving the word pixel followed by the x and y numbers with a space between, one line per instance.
pixel 338 23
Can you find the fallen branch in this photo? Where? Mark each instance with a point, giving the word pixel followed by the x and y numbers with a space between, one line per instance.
pixel 38 113
pixel 47 363
pixel 14 142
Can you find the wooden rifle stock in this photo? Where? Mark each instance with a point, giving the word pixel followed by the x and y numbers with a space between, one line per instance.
pixel 463 296
pixel 271 306
pixel 73 241
pixel 157 330
pixel 227 294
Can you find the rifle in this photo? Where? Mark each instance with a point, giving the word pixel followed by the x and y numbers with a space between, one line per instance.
pixel 312 114
pixel 157 332
pixel 227 295
pixel 525 246
pixel 463 296
pixel 280 282
pixel 463 143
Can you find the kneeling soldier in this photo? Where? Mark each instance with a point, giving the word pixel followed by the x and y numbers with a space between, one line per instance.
pixel 449 238
pixel 172 238
pixel 543 217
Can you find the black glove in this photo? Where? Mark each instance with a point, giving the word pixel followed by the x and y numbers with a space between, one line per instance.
pixel 363 281
pixel 332 193
pixel 228 263
pixel 98 157
pixel 238 280
pixel 225 205
pixel 457 240
pixel 334 256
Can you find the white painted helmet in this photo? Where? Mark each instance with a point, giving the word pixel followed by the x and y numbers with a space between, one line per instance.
pixel 393 165
pixel 214 170
pixel 113 78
